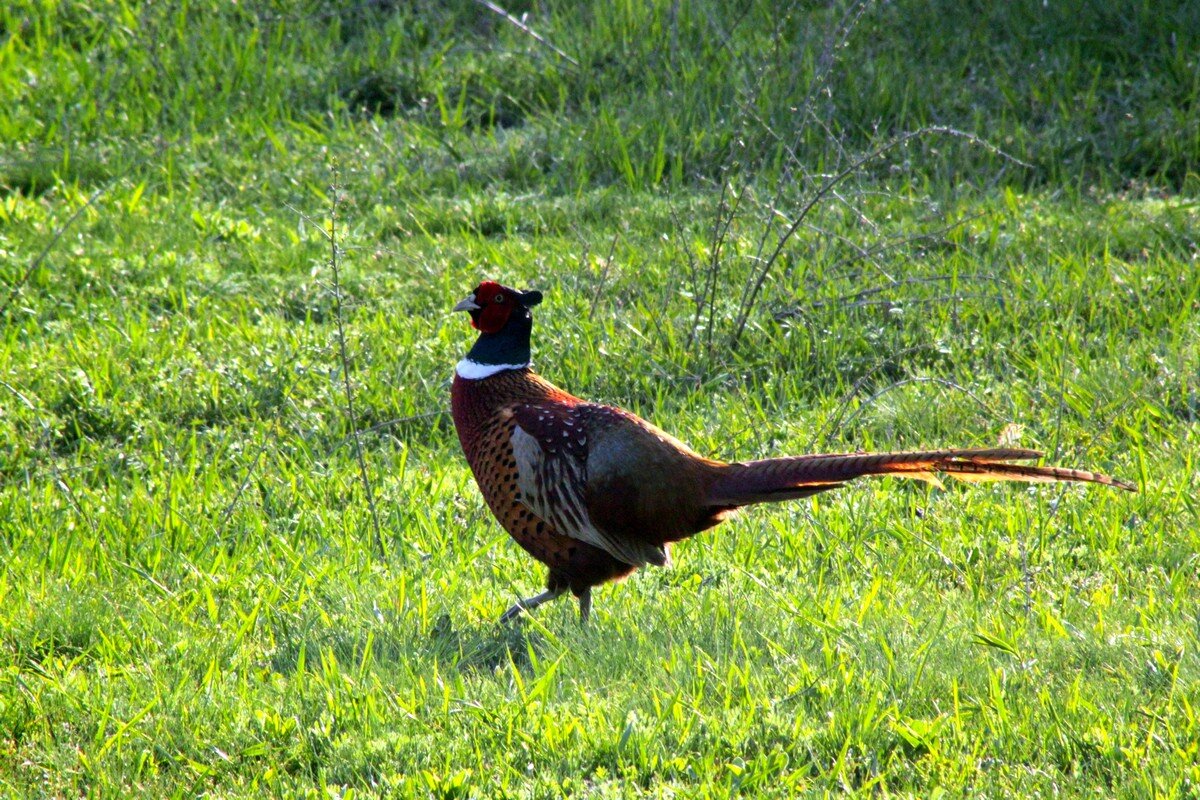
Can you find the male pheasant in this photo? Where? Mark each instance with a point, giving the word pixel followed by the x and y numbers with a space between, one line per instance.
pixel 594 492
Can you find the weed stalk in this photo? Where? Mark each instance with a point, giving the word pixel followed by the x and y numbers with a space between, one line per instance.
pixel 380 548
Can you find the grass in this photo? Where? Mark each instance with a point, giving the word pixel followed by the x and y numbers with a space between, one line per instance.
pixel 191 602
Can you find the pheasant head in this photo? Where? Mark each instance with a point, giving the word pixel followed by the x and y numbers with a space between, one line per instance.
pixel 504 321
pixel 492 305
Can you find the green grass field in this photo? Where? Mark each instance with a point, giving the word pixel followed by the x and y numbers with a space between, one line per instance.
pixel 737 241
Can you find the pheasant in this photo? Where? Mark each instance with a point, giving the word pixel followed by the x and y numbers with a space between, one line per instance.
pixel 594 492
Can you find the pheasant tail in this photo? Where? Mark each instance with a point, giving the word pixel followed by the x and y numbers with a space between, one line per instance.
pixel 774 479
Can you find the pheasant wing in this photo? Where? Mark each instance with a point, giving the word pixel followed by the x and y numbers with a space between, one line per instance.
pixel 550 446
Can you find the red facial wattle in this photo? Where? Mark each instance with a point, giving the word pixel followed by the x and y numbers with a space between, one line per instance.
pixel 492 317
pixel 495 307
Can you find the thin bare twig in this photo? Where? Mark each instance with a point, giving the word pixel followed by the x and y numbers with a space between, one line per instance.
pixel 379 426
pixel 826 431
pixel 380 548
pixel 885 245
pixel 693 270
pixel 835 42
pixel 860 298
pixel 886 304
pixel 941 382
pixel 905 382
pixel 331 236
pixel 60 483
pixel 490 6
pixel 15 288
pixel 250 470
pixel 254 462
pixel 722 234
pixel 612 250
pixel 977 141
pixel 750 294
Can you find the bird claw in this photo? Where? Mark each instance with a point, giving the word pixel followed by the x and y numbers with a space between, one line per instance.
pixel 527 605
pixel 513 612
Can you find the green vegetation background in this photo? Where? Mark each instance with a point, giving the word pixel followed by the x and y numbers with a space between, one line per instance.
pixel 738 240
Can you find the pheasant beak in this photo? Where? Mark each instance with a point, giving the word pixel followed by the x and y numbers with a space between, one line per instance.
pixel 467 304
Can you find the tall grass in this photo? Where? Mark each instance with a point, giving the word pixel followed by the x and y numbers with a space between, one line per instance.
pixel 189 603
pixel 1087 93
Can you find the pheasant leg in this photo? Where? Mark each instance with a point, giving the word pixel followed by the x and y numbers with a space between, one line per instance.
pixel 529 604
pixel 585 605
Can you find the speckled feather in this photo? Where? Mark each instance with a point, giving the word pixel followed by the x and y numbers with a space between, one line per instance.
pixel 485 414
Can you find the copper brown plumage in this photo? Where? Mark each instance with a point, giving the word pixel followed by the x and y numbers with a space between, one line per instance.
pixel 594 492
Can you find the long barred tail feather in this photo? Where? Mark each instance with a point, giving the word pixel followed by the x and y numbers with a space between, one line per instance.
pixel 774 479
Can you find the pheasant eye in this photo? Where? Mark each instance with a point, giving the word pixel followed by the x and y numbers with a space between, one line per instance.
pixel 499 298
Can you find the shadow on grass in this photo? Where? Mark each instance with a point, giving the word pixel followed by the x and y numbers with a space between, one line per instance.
pixel 473 648
pixel 487 646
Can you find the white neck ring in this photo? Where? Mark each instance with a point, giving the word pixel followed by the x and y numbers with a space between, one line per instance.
pixel 474 371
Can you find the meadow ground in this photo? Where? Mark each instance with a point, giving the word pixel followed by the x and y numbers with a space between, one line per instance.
pixel 738 241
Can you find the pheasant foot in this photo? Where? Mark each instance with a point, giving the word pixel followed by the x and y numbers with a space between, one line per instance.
pixel 529 604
